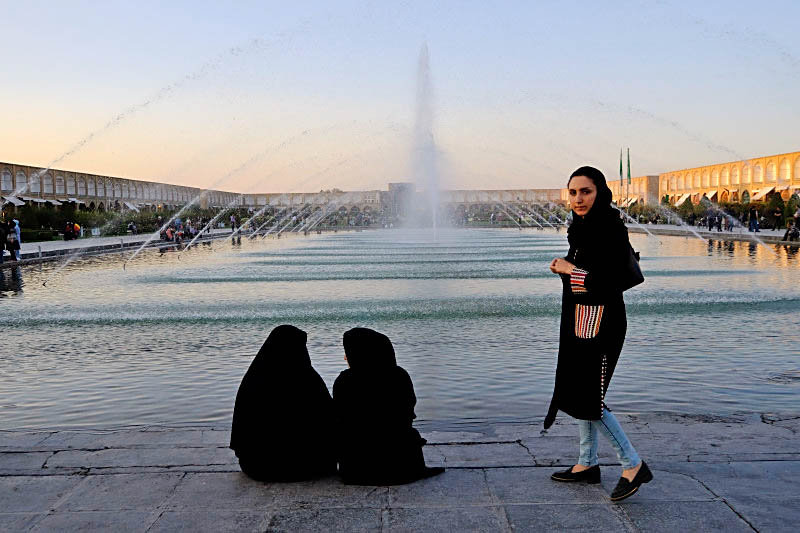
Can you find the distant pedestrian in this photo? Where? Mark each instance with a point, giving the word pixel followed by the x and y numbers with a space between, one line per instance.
pixel 711 221
pixel 3 235
pixel 777 219
pixel 719 222
pixel 69 231
pixel 13 239
pixel 792 231
pixel 752 219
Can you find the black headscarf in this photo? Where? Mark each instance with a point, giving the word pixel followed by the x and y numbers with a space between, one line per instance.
pixel 284 350
pixel 601 218
pixel 366 349
pixel 281 396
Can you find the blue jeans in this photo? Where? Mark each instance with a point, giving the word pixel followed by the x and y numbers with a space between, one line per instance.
pixel 610 428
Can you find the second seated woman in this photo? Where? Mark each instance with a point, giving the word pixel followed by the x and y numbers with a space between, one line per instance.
pixel 374 402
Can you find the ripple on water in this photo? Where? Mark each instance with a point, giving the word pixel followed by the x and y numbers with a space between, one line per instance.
pixel 474 320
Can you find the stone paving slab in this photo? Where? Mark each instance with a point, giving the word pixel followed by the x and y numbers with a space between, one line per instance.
pixel 457 487
pixel 498 479
pixel 533 485
pixel 670 516
pixel 346 519
pixel 21 461
pixel 19 521
pixel 483 455
pixel 138 457
pixel 217 520
pixel 562 517
pixel 446 519
pixel 125 492
pixel 24 494
pixel 122 521
pixel 221 491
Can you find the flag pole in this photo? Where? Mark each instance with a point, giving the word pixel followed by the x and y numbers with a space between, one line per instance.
pixel 629 173
pixel 619 195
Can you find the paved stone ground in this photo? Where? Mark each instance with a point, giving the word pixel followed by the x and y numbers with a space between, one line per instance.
pixel 37 252
pixel 734 474
pixel 30 250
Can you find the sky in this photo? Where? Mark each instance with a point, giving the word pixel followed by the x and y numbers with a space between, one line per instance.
pixel 304 96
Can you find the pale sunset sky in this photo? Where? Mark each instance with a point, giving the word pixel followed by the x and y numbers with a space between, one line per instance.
pixel 302 96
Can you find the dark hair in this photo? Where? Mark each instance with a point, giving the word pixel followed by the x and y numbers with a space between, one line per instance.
pixel 599 180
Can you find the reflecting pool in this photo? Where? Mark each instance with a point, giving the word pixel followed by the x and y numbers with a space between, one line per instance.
pixel 473 317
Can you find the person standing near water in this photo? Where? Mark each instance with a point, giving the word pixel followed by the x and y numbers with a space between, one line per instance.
pixel 753 219
pixel 593 326
pixel 13 239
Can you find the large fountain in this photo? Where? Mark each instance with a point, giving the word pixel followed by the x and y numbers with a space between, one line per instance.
pixel 424 156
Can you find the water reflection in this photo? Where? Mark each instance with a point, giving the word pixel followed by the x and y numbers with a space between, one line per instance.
pixel 11 282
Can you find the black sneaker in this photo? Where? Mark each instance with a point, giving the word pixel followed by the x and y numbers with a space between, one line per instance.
pixel 625 488
pixel 591 475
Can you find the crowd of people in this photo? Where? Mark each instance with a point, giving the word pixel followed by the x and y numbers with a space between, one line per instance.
pixel 179 230
pixel 71 231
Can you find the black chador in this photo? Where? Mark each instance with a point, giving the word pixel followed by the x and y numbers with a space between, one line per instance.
pixel 282 422
pixel 593 322
pixel 374 402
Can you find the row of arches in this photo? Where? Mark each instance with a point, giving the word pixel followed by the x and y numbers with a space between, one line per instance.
pixel 726 196
pixel 771 172
pixel 35 183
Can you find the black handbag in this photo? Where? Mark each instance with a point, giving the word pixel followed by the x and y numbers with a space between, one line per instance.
pixel 633 274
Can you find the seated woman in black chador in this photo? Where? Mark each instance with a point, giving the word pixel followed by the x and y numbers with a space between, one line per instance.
pixel 374 402
pixel 282 422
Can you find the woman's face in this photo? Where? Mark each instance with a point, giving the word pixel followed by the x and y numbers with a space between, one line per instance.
pixel 582 194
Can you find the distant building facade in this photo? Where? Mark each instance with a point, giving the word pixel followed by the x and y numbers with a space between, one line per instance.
pixel 21 184
pixel 749 180
pixel 24 184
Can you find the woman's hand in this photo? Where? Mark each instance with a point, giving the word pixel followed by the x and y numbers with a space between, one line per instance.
pixel 559 265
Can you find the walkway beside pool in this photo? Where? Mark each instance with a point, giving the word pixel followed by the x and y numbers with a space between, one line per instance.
pixel 768 236
pixel 36 252
pixel 89 245
pixel 738 473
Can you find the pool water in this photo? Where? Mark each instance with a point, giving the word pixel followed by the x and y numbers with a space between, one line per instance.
pixel 715 328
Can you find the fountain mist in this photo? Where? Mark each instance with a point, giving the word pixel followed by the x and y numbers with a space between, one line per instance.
pixel 425 167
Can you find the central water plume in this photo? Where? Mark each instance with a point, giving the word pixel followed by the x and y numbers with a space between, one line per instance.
pixel 425 163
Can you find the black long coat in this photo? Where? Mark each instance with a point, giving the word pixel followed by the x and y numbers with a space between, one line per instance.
pixel 283 417
pixel 374 403
pixel 600 249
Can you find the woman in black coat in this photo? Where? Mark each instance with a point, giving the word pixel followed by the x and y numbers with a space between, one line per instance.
pixel 374 402
pixel 282 421
pixel 593 326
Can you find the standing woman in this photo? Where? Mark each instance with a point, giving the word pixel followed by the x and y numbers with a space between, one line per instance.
pixel 593 326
